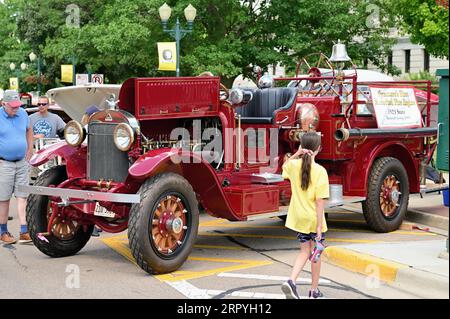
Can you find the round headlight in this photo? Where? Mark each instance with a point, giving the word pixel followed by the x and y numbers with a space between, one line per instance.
pixel 74 133
pixel 123 137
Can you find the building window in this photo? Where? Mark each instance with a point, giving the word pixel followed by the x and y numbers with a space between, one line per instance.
pixel 407 61
pixel 426 60
pixel 390 58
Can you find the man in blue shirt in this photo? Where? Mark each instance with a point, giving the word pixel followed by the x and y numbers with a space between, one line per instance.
pixel 45 124
pixel 16 148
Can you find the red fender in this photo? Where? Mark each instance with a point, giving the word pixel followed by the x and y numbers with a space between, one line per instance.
pixel 74 157
pixel 391 149
pixel 197 172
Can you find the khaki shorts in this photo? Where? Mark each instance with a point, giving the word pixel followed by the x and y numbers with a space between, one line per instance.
pixel 13 174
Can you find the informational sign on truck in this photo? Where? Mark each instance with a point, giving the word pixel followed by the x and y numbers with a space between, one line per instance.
pixel 396 107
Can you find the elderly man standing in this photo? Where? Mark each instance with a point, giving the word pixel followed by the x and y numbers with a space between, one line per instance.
pixel 16 148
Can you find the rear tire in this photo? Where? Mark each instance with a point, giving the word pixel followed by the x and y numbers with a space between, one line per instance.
pixel 36 216
pixel 387 195
pixel 164 225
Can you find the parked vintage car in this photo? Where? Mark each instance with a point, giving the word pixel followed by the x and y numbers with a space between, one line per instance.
pixel 168 146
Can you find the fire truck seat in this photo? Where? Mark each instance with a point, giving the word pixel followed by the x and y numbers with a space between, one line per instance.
pixel 261 109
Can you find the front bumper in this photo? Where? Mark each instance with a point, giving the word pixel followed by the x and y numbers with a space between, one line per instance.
pixel 66 194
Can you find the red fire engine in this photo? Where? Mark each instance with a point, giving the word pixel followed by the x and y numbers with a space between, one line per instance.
pixel 171 147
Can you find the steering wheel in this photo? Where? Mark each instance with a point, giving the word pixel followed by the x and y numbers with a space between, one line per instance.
pixel 314 65
pixel 224 92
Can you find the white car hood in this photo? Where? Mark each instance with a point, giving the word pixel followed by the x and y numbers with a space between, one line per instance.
pixel 74 100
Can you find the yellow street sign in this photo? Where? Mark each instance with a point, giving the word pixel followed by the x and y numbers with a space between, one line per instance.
pixel 67 73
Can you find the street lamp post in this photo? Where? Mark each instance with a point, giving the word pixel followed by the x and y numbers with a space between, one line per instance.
pixel 23 67
pixel 178 33
pixel 12 67
pixel 33 57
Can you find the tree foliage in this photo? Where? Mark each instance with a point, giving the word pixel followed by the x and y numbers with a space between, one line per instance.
pixel 426 21
pixel 118 38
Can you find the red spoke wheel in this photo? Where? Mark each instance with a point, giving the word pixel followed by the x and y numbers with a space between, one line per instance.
pixel 163 226
pixel 390 195
pixel 62 228
pixel 169 224
pixel 387 195
pixel 67 237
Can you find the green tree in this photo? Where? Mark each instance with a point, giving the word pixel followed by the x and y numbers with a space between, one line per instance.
pixel 300 27
pixel 118 38
pixel 12 50
pixel 425 21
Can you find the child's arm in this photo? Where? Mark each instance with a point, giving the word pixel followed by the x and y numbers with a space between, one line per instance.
pixel 320 204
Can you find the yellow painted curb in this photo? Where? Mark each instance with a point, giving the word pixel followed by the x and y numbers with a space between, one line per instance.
pixel 364 264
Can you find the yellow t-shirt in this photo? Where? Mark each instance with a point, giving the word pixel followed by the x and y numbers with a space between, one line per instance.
pixel 302 215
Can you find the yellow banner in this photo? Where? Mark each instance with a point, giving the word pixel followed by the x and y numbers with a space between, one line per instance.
pixel 67 73
pixel 167 56
pixel 14 84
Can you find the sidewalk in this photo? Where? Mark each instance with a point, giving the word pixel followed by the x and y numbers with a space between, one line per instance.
pixel 420 267
pixel 414 267
pixel 429 211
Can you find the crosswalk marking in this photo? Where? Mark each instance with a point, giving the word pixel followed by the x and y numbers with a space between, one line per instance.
pixel 189 290
pixel 192 292
pixel 267 277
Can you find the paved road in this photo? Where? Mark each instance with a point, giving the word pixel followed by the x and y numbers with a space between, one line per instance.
pixel 230 260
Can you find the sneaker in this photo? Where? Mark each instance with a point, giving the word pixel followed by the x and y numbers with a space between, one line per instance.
pixel 25 238
pixel 314 294
pixel 290 290
pixel 7 238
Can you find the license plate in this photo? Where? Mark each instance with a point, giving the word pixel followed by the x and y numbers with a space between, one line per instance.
pixel 103 212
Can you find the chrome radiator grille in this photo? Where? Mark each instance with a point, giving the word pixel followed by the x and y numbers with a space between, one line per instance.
pixel 105 161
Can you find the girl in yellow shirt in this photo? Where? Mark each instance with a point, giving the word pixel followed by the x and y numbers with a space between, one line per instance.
pixel 310 186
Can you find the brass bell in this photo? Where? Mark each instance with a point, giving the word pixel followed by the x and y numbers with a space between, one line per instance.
pixel 339 53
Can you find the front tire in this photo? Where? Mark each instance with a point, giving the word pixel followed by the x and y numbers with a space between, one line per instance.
pixel 164 225
pixel 387 195
pixel 67 236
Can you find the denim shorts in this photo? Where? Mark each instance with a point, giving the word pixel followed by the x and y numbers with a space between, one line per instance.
pixel 304 238
pixel 13 174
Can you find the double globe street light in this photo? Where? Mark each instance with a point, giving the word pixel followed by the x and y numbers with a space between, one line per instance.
pixel 23 67
pixel 33 57
pixel 178 33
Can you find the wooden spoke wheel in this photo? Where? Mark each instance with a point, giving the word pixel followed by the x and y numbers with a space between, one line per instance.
pixel 390 195
pixel 169 224
pixel 67 237
pixel 387 195
pixel 62 228
pixel 163 227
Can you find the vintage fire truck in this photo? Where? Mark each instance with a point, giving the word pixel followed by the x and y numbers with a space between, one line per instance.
pixel 169 148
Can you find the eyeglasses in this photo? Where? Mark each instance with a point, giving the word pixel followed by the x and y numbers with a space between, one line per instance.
pixel 42 104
